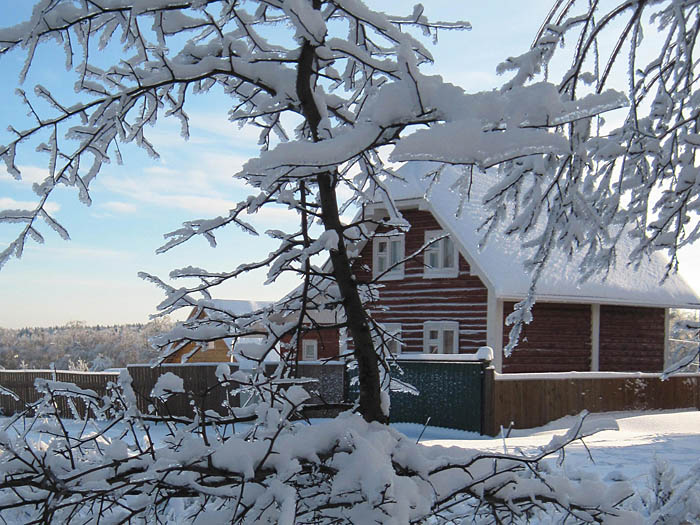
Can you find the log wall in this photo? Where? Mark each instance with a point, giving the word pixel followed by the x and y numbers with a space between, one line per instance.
pixel 414 299
pixel 557 340
pixel 632 338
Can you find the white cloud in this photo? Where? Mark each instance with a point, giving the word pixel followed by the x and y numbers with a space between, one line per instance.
pixel 30 174
pixel 7 203
pixel 194 203
pixel 202 172
pixel 273 215
pixel 119 207
pixel 219 124
pixel 193 191
pixel 474 81
pixel 207 188
pixel 224 165
pixel 210 129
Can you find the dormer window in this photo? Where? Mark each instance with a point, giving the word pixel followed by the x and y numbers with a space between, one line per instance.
pixel 441 258
pixel 387 252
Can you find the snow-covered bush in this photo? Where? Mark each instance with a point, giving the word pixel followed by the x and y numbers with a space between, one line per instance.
pixel 671 499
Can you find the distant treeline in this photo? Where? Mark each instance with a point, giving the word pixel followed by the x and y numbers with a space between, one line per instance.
pixel 76 346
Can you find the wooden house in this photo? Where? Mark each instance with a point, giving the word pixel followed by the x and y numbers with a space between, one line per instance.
pixel 217 349
pixel 454 297
pixel 313 345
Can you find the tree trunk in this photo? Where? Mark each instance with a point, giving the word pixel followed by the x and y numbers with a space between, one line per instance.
pixel 367 361
pixel 356 318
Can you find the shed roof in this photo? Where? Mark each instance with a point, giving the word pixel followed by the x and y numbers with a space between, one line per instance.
pixel 500 262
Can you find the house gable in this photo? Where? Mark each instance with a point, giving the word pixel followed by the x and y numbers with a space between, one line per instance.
pixel 418 298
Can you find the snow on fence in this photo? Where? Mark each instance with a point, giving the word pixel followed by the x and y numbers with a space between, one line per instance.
pixel 532 400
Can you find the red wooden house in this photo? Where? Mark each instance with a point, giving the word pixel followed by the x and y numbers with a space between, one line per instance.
pixel 454 297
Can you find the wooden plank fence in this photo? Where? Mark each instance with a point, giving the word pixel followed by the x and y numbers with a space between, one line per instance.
pixel 517 400
pixel 203 389
pixel 22 383
pixel 199 381
pixel 532 400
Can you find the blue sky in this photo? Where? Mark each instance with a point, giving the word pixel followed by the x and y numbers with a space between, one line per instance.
pixel 93 277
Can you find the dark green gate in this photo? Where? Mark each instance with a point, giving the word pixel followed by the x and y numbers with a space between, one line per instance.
pixel 451 393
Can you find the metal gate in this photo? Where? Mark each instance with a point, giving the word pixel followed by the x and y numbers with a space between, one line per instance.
pixel 451 393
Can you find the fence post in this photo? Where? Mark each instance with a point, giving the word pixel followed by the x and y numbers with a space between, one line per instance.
pixel 488 405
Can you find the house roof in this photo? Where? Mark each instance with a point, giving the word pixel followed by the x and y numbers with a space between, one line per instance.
pixel 500 262
pixel 234 307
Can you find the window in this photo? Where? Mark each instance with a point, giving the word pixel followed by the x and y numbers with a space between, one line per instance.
pixel 309 349
pixel 441 257
pixel 211 345
pixel 441 337
pixel 392 337
pixel 387 251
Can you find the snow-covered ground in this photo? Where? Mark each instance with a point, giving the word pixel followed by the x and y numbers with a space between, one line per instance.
pixel 641 442
pixel 641 438
pixel 631 451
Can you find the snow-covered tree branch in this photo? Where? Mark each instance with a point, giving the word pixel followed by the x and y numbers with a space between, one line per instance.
pixel 335 89
pixel 118 467
pixel 633 173
pixel 339 83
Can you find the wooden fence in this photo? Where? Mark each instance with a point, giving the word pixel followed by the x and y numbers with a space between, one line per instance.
pixel 22 383
pixel 494 400
pixel 327 386
pixel 532 400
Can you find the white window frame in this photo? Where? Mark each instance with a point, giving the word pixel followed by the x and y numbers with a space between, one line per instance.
pixel 393 337
pixel 440 271
pixel 440 327
pixel 397 272
pixel 309 344
pixel 211 345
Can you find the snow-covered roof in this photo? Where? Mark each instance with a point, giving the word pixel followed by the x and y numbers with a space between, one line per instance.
pixel 234 306
pixel 240 307
pixel 500 262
